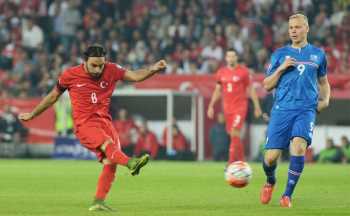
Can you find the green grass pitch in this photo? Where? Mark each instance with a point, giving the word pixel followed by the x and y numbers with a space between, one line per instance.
pixel 53 187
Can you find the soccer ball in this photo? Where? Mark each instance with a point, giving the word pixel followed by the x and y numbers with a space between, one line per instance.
pixel 238 174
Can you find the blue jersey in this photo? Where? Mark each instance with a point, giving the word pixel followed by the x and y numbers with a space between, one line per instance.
pixel 298 86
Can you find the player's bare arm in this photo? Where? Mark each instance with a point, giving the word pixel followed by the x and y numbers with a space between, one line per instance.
pixel 271 81
pixel 48 101
pixel 214 98
pixel 325 93
pixel 142 74
pixel 256 103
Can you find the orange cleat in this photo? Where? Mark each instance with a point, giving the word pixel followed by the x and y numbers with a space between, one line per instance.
pixel 285 202
pixel 266 193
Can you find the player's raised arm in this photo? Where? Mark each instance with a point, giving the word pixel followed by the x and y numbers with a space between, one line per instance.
pixel 271 81
pixel 214 98
pixel 45 103
pixel 142 74
pixel 325 93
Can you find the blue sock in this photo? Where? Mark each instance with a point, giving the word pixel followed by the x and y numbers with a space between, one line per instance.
pixel 296 166
pixel 270 172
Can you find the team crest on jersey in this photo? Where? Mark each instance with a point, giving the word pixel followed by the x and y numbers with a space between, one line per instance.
pixel 314 58
pixel 103 84
pixel 235 78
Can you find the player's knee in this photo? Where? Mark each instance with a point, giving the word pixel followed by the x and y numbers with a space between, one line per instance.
pixel 235 133
pixel 105 161
pixel 298 150
pixel 105 144
pixel 270 159
pixel 298 146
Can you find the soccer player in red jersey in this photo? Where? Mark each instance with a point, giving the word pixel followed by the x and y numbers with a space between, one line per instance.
pixel 233 82
pixel 90 86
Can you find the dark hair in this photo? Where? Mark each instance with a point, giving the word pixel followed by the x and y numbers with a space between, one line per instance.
pixel 94 50
pixel 231 50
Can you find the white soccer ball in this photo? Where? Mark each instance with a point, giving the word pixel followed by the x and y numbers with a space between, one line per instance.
pixel 238 174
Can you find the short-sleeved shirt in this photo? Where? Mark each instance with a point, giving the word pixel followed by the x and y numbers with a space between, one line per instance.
pixel 298 86
pixel 234 83
pixel 90 97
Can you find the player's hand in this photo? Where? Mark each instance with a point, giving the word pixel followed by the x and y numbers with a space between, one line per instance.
pixel 25 116
pixel 288 62
pixel 322 104
pixel 210 112
pixel 257 112
pixel 159 66
pixel 265 117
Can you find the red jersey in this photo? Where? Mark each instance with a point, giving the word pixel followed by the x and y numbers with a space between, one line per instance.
pixel 234 83
pixel 90 97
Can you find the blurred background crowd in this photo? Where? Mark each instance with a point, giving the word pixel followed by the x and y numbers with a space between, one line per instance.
pixel 38 39
pixel 137 138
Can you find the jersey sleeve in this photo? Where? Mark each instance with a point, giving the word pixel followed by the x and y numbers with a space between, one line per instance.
pixel 119 72
pixel 63 81
pixel 322 69
pixel 274 64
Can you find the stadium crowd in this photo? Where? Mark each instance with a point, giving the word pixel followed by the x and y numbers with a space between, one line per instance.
pixel 38 39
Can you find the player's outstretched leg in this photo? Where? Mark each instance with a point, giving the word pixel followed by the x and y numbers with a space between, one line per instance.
pixel 135 164
pixel 116 156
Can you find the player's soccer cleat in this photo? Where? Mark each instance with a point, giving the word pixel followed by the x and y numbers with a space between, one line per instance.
pixel 285 202
pixel 135 164
pixel 100 205
pixel 266 193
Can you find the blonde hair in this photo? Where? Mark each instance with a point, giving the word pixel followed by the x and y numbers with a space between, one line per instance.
pixel 299 15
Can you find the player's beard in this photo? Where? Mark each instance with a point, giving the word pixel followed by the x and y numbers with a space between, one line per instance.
pixel 232 65
pixel 94 75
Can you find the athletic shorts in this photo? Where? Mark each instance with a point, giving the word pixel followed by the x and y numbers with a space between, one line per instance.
pixel 93 133
pixel 285 125
pixel 235 120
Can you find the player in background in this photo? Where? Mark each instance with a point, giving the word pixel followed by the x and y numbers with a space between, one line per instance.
pixel 233 82
pixel 90 86
pixel 298 73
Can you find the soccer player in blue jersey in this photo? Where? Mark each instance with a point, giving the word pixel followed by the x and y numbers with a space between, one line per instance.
pixel 298 74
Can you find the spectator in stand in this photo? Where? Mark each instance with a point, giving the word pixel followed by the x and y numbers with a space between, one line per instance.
pixel 180 148
pixel 219 139
pixel 32 36
pixel 132 30
pixel 12 131
pixel 70 19
pixel 331 154
pixel 345 147
pixel 147 141
pixel 127 131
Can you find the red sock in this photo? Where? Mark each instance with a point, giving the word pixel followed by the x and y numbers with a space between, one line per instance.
pixel 236 152
pixel 105 181
pixel 115 155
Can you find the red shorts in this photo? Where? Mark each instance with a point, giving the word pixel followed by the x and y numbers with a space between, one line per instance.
pixel 235 120
pixel 93 133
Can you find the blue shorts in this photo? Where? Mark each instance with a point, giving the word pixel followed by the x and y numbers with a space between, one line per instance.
pixel 284 125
